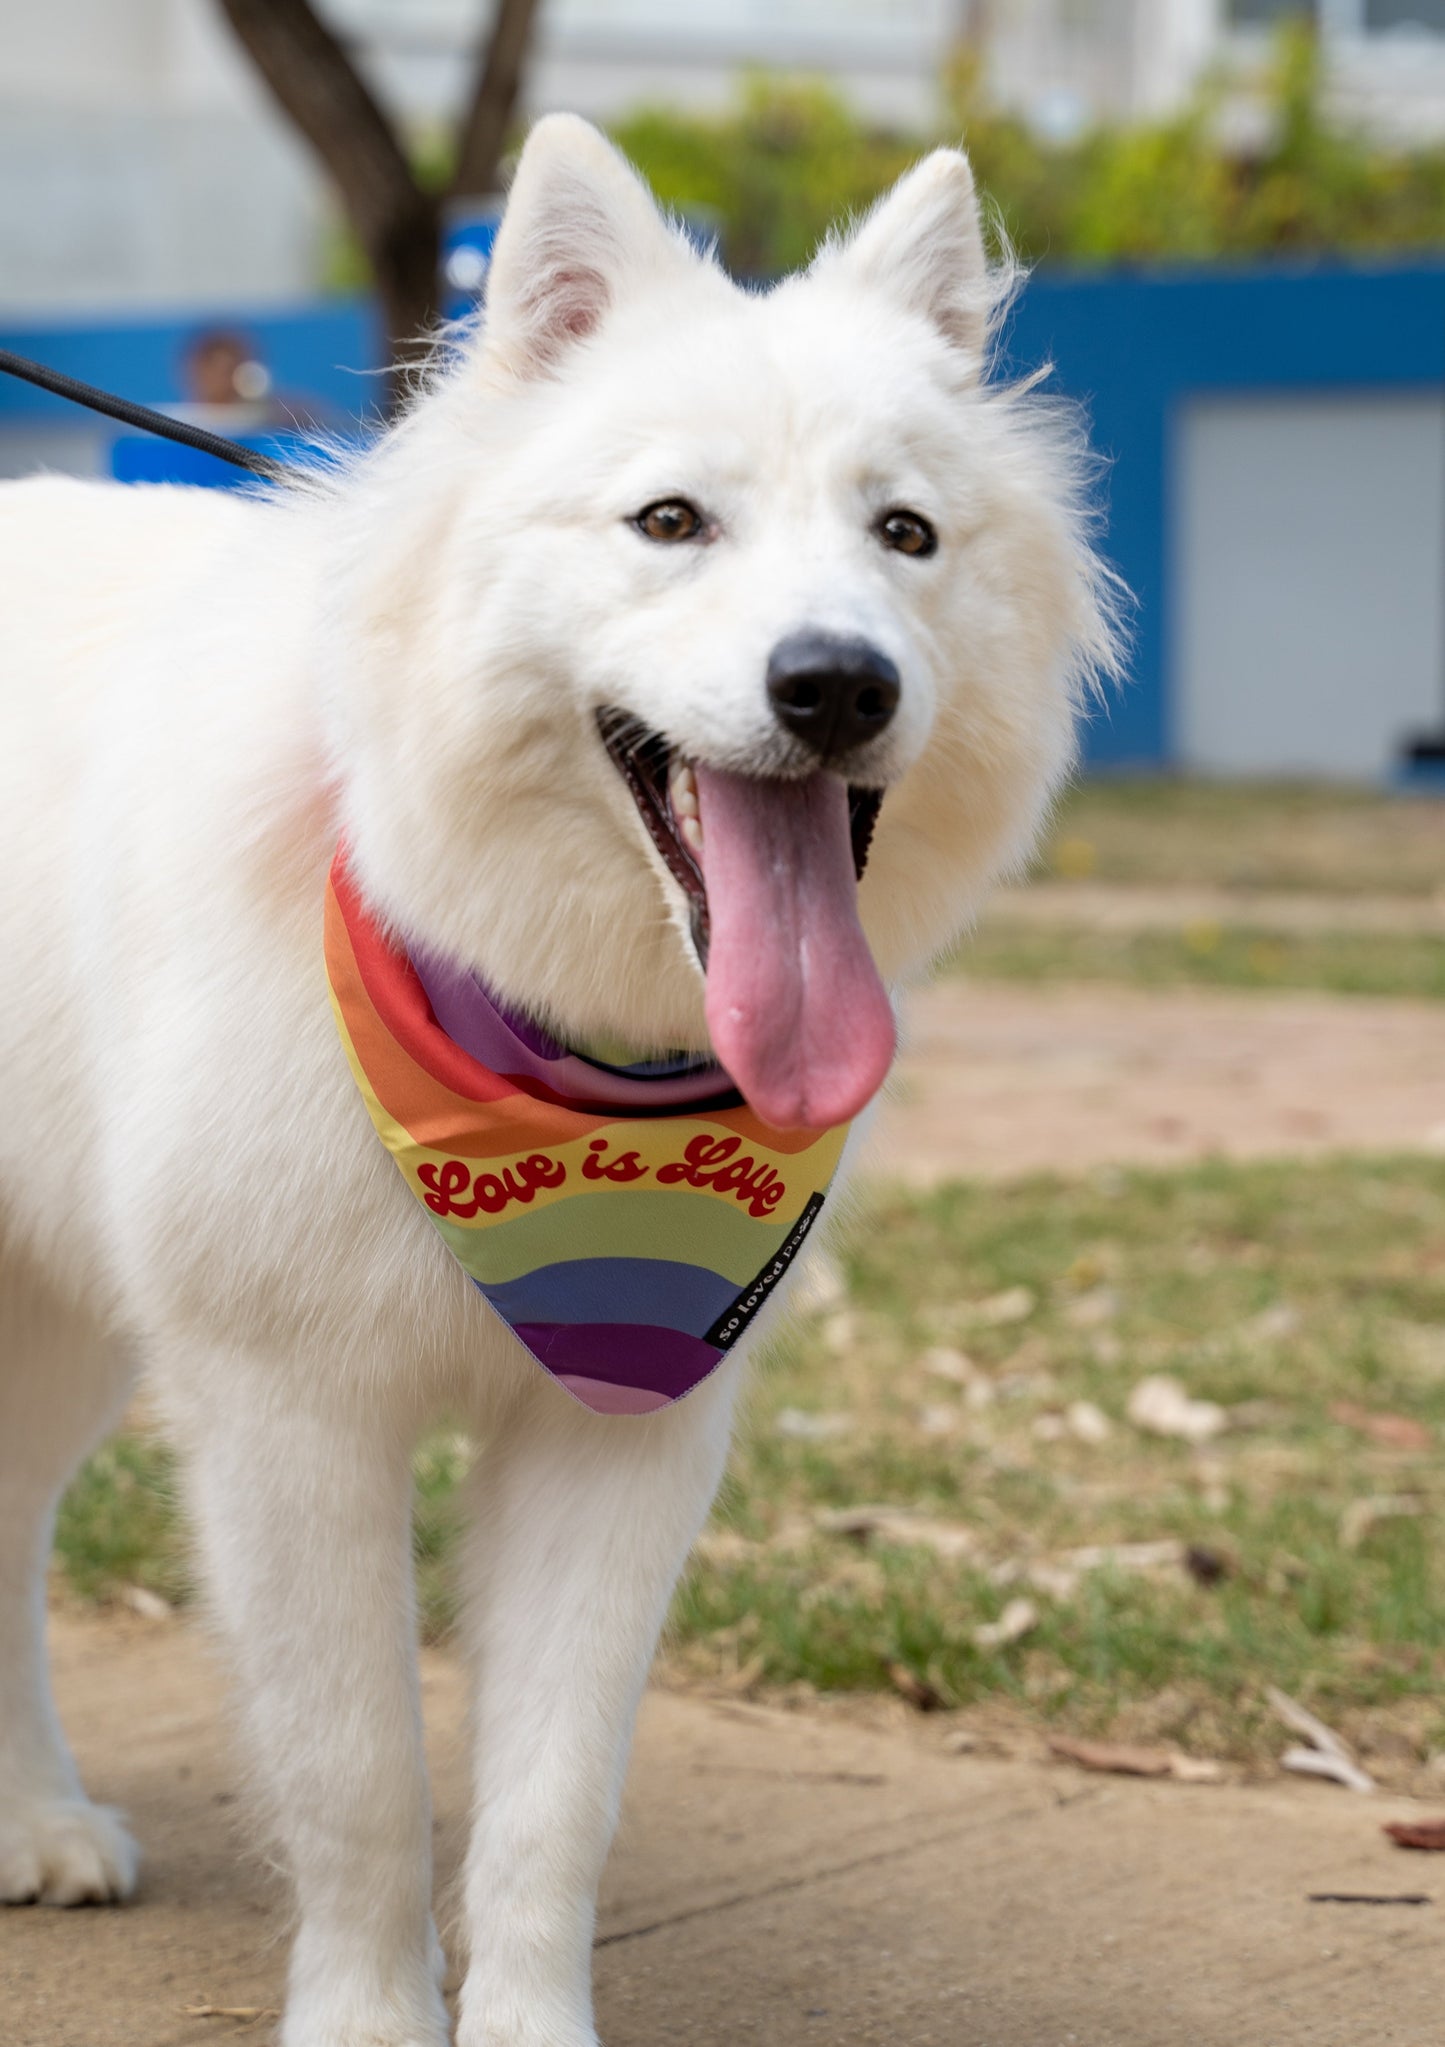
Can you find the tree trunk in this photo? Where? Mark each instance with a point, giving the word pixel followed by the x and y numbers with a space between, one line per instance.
pixel 405 259
pixel 313 78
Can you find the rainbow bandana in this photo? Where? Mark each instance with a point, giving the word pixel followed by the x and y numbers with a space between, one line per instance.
pixel 626 1223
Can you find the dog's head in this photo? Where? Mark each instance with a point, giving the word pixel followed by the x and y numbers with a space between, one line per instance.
pixel 665 582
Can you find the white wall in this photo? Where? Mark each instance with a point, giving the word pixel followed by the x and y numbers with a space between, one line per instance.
pixel 141 165
pixel 1309 562
pixel 603 58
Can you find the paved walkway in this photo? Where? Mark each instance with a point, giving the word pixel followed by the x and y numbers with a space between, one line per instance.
pixel 1010 1079
pixel 786 1879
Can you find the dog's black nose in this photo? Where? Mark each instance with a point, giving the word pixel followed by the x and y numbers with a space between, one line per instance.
pixel 832 692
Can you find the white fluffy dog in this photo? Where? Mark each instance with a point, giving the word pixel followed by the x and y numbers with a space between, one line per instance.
pixel 797 536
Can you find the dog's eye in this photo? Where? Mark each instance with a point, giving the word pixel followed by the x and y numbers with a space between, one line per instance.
pixel 669 519
pixel 907 533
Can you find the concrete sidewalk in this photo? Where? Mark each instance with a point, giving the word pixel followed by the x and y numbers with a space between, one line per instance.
pixel 998 1080
pixel 782 1877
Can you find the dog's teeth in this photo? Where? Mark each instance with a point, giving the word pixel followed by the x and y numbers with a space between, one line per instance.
pixel 690 828
pixel 682 790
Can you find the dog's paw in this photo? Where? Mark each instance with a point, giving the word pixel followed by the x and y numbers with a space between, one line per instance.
pixel 65 1852
pixel 357 2010
pixel 479 2028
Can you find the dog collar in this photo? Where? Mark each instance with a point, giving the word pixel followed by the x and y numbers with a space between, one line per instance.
pixel 626 1222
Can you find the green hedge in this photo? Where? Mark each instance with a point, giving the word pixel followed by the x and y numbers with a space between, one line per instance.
pixel 786 159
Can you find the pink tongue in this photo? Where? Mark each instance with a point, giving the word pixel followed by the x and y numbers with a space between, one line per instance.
pixel 796 1010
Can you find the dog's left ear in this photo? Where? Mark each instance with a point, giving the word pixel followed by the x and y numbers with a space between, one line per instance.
pixel 923 245
pixel 581 232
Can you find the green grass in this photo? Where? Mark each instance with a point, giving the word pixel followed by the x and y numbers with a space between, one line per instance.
pixel 1206 955
pixel 1166 830
pixel 1275 1290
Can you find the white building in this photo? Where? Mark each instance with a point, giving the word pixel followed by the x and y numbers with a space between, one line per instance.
pixel 141 164
pixel 1065 63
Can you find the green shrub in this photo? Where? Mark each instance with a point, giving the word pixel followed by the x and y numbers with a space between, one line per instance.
pixel 775 169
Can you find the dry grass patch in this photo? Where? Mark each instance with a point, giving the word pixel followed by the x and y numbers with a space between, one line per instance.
pixel 950 1436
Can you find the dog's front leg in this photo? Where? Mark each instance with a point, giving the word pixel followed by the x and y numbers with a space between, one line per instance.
pixel 581 1525
pixel 302 1502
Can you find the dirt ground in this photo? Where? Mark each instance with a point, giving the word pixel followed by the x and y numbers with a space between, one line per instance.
pixel 1013 1079
pixel 780 1877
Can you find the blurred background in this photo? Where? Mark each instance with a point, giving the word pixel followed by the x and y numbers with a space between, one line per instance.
pixel 1127 1402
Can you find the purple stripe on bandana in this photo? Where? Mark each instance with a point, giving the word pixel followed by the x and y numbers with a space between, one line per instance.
pixel 625 1354
pixel 519 1050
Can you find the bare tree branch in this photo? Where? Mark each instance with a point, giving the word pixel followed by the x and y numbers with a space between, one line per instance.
pixel 483 133
pixel 398 223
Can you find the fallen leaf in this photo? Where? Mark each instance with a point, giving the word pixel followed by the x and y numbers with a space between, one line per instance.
pixel 1302 1721
pixel 1059 1576
pixel 1197 1770
pixel 149 1605
pixel 1313 1762
pixel 1019 1618
pixel 954 1365
pixel 1429 1834
pixel 1014 1304
pixel 902 1526
pixel 1119 1758
pixel 1363 1515
pixel 919 1693
pixel 1328 1755
pixel 811 1428
pixel 1126 1556
pixel 1390 1431
pixel 1058 1581
pixel 1126 1759
pixel 1205 1566
pixel 1087 1423
pixel 1161 1407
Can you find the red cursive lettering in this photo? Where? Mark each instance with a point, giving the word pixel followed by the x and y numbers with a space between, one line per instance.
pixel 490 1192
pixel 597 1166
pixel 712 1162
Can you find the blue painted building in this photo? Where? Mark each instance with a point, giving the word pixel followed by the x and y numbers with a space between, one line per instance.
pixel 1274 487
pixel 1275 441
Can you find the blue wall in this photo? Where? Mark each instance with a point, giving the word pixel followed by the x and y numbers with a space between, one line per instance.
pixel 321 353
pixel 1135 348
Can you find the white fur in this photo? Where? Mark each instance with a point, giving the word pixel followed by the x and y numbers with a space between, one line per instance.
pixel 199 693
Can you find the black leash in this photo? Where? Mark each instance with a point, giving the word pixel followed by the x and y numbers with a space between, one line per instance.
pixel 143 417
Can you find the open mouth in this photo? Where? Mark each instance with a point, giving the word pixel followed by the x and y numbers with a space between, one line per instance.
pixel 769 868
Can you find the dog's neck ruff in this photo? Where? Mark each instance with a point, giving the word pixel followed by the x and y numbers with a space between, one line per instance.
pixel 626 1223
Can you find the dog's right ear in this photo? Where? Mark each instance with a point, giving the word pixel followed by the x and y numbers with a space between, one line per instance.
pixel 923 245
pixel 580 232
